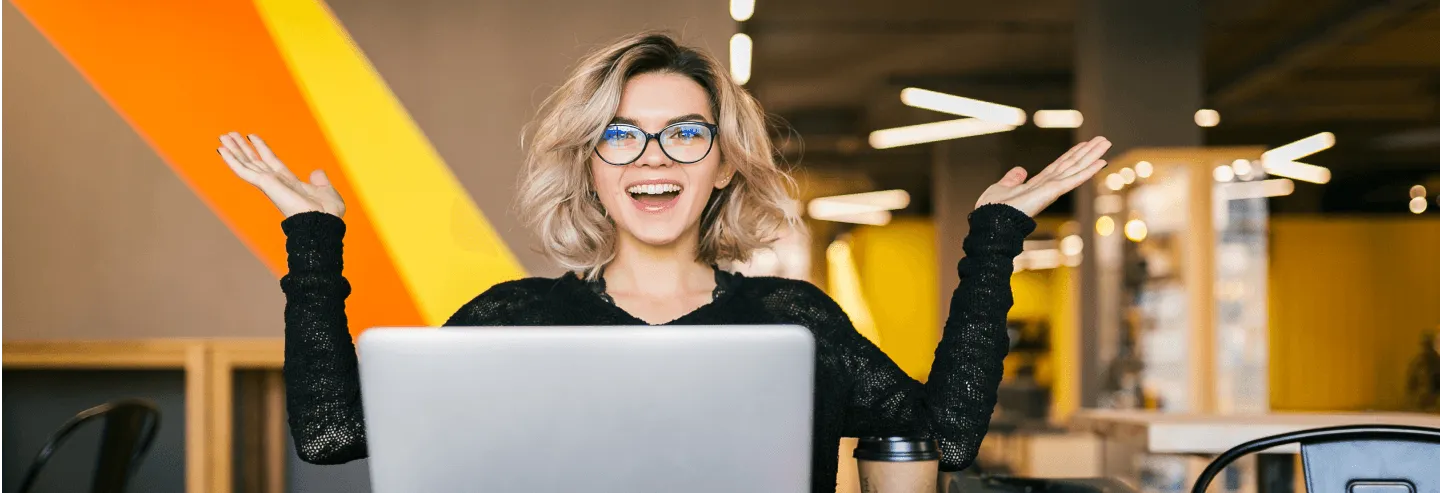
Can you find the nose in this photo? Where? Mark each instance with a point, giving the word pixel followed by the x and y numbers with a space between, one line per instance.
pixel 653 155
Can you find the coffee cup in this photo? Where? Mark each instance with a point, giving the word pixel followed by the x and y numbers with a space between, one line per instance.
pixel 897 464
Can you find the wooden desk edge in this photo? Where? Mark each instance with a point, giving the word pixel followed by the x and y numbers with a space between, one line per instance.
pixel 268 353
pixel 82 354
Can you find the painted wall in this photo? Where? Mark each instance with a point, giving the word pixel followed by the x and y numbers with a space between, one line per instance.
pixel 116 228
pixel 1349 298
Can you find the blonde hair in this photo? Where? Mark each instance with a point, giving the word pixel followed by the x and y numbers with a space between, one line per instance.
pixel 556 195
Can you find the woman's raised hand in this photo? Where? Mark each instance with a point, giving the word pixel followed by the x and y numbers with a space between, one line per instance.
pixel 258 166
pixel 1065 174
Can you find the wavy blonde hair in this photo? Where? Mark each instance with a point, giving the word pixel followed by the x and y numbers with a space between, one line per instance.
pixel 557 195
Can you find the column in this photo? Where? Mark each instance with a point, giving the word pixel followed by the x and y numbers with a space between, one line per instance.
pixel 961 170
pixel 1139 77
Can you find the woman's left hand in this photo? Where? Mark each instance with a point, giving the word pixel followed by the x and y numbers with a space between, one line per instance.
pixel 1065 174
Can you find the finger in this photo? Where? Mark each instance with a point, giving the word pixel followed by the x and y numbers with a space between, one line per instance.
pixel 321 181
pixel 1014 177
pixel 240 169
pixel 268 157
pixel 1050 169
pixel 1093 153
pixel 1079 158
pixel 233 146
pixel 244 146
pixel 1082 174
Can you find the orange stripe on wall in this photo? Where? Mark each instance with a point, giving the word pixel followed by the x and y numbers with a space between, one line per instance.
pixel 183 72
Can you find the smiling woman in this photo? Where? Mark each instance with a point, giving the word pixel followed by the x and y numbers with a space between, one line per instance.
pixel 664 116
pixel 648 167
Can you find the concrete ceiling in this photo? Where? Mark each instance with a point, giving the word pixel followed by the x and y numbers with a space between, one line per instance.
pixel 1277 70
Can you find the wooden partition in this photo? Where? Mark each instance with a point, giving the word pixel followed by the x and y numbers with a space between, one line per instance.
pixel 210 367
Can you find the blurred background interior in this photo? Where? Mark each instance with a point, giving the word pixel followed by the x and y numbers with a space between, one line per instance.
pixel 1265 241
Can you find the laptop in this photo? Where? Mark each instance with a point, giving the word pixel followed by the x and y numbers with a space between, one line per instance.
pixel 589 409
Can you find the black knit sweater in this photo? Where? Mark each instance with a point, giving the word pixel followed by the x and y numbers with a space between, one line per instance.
pixel 859 391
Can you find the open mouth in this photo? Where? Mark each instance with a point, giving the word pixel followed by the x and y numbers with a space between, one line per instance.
pixel 655 197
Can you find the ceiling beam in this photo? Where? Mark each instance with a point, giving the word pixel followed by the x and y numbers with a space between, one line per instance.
pixel 1340 27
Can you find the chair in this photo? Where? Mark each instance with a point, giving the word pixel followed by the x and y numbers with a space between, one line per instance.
pixel 1352 459
pixel 130 426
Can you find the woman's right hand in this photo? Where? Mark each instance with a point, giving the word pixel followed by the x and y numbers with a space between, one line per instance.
pixel 258 166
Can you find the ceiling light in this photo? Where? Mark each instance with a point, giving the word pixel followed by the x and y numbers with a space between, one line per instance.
pixel 1058 119
pixel 1299 171
pixel 860 208
pixel 1224 173
pixel 1105 225
pixel 1207 118
pixel 1115 182
pixel 1418 204
pixel 1281 161
pixel 1257 189
pixel 933 132
pixel 1135 230
pixel 1241 167
pixel 1071 245
pixel 1418 191
pixel 741 49
pixel 1143 169
pixel 741 10
pixel 1301 148
pixel 956 105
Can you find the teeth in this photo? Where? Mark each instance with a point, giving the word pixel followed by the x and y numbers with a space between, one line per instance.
pixel 654 188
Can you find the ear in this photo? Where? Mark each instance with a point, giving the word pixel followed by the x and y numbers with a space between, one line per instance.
pixel 724 177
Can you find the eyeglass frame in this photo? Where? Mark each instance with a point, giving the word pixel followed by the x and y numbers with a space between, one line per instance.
pixel 714 132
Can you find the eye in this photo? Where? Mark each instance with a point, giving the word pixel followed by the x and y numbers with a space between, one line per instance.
pixel 617 135
pixel 688 133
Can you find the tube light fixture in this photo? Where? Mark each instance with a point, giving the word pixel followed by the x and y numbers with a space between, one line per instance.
pixel 957 105
pixel 741 50
pixel 1281 161
pixel 1277 187
pixel 741 10
pixel 1058 119
pixel 1207 118
pixel 933 132
pixel 860 208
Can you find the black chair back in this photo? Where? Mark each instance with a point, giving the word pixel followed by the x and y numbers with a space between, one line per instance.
pixel 1352 459
pixel 129 428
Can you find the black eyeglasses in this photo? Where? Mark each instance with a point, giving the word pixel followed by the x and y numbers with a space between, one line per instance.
pixel 682 142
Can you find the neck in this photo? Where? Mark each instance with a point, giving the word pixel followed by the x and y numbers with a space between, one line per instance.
pixel 652 270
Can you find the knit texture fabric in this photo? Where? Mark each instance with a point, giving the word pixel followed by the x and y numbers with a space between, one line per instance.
pixel 859 391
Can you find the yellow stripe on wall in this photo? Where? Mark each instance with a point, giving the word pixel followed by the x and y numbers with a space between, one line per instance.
pixel 443 247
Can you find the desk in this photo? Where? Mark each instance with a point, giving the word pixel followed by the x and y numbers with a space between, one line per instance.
pixel 1124 434
pixel 209 366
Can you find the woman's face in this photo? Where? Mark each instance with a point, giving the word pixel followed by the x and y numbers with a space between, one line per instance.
pixel 657 198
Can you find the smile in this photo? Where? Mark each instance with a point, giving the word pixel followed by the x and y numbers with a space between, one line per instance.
pixel 655 196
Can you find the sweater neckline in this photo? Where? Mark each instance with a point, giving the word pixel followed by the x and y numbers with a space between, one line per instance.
pixel 726 284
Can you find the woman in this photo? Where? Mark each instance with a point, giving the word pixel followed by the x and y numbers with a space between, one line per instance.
pixel 647 168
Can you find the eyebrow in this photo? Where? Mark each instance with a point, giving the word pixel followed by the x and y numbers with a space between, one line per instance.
pixel 693 117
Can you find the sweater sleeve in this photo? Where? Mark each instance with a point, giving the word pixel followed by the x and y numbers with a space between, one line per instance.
pixel 322 379
pixel 955 404
pixel 322 376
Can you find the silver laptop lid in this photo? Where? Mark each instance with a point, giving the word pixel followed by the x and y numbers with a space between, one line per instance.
pixel 593 409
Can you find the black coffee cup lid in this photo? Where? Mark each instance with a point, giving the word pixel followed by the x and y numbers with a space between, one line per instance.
pixel 897 449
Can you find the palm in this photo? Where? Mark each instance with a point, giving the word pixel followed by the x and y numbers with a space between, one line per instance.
pixel 258 166
pixel 1065 174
